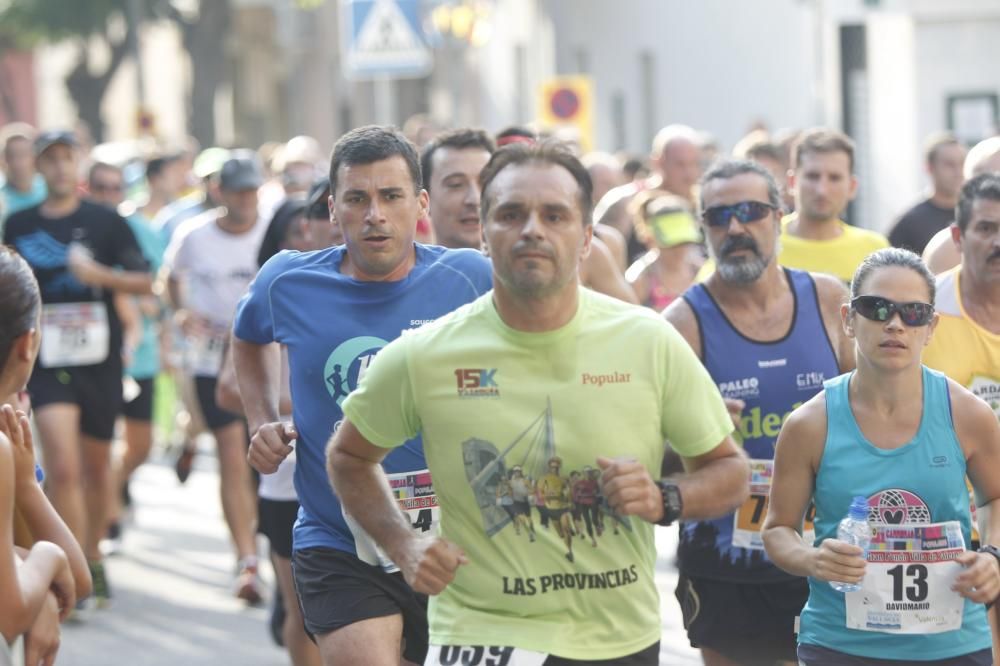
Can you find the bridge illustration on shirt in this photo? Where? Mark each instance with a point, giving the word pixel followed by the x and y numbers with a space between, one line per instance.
pixel 486 468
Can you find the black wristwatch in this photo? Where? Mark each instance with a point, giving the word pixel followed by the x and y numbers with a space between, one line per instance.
pixel 995 552
pixel 672 502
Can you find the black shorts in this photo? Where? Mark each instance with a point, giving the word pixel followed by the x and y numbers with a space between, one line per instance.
pixel 140 408
pixel 814 655
pixel 337 589
pixel 215 417
pixel 751 624
pixel 648 657
pixel 275 520
pixel 95 389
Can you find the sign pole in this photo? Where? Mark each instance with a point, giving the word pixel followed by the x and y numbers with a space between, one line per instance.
pixel 385 100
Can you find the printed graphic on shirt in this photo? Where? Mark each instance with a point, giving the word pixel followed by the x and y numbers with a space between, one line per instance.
pixel 347 364
pixel 44 252
pixel 896 506
pixel 987 388
pixel 525 486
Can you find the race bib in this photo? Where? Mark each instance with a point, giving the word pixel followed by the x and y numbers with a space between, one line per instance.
pixel 74 334
pixel 749 518
pixel 204 353
pixel 907 583
pixel 415 495
pixel 482 655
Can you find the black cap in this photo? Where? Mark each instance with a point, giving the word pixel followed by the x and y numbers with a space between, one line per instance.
pixel 318 195
pixel 52 137
pixel 241 172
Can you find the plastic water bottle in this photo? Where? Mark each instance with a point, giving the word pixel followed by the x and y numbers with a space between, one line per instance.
pixel 854 529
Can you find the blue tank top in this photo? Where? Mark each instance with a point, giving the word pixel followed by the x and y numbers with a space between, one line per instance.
pixel 921 481
pixel 772 378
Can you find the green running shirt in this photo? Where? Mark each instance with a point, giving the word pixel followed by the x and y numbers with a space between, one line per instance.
pixel 617 380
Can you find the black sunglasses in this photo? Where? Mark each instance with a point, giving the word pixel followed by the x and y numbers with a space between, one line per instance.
pixel 744 211
pixel 881 309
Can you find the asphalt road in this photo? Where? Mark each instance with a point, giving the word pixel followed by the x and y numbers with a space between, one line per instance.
pixel 171 585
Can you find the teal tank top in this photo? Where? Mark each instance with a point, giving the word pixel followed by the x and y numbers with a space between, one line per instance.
pixel 921 481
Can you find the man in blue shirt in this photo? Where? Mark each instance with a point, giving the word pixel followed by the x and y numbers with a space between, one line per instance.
pixel 333 310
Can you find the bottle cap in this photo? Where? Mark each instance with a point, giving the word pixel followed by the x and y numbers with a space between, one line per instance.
pixel 859 507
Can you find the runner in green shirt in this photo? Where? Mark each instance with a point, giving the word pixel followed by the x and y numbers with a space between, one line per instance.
pixel 545 376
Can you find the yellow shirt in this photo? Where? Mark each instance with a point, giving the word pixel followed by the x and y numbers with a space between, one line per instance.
pixel 961 348
pixel 838 256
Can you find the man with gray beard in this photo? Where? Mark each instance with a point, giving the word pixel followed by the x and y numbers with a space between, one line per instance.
pixel 769 336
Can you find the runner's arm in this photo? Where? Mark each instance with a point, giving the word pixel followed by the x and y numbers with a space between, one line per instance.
pixel 96 274
pixel 600 273
pixel 258 377
pixel 796 459
pixel 354 466
pixel 715 482
pixel 353 462
pixel 978 433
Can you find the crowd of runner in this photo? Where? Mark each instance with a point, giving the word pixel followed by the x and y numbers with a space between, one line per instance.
pixel 456 385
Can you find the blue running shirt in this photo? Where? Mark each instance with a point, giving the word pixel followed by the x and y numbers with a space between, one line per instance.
pixel 772 378
pixel 333 325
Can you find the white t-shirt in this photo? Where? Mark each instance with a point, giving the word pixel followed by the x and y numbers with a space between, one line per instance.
pixel 280 486
pixel 214 267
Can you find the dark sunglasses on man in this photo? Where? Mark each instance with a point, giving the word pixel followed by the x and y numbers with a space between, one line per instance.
pixel 881 309
pixel 744 211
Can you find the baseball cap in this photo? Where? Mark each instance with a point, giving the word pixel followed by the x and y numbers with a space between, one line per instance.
pixel 46 140
pixel 673 228
pixel 317 199
pixel 241 172
pixel 209 161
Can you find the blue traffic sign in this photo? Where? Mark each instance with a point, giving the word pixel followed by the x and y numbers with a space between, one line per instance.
pixel 383 39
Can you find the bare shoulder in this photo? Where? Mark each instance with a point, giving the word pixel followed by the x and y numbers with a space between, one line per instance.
pixel 975 421
pixel 680 314
pixel 831 291
pixel 805 428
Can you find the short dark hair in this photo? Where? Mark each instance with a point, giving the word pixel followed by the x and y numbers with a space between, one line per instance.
pixel 822 140
pixel 106 166
pixel 373 143
pixel 936 142
pixel 460 139
pixel 984 186
pixel 892 256
pixel 156 165
pixel 19 300
pixel 291 208
pixel 545 152
pixel 727 169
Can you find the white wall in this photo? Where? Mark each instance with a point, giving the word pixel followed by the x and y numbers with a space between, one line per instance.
pixel 719 65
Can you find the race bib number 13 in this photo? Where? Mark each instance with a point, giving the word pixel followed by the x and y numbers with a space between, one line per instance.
pixel 907 583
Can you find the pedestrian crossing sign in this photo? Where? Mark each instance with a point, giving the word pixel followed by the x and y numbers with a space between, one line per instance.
pixel 383 38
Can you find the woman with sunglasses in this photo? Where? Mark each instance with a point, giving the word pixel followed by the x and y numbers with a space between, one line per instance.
pixel 903 437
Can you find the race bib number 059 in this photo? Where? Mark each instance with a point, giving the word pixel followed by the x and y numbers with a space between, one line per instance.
pixel 482 655
pixel 907 583
pixel 74 334
pixel 749 518
pixel 414 493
